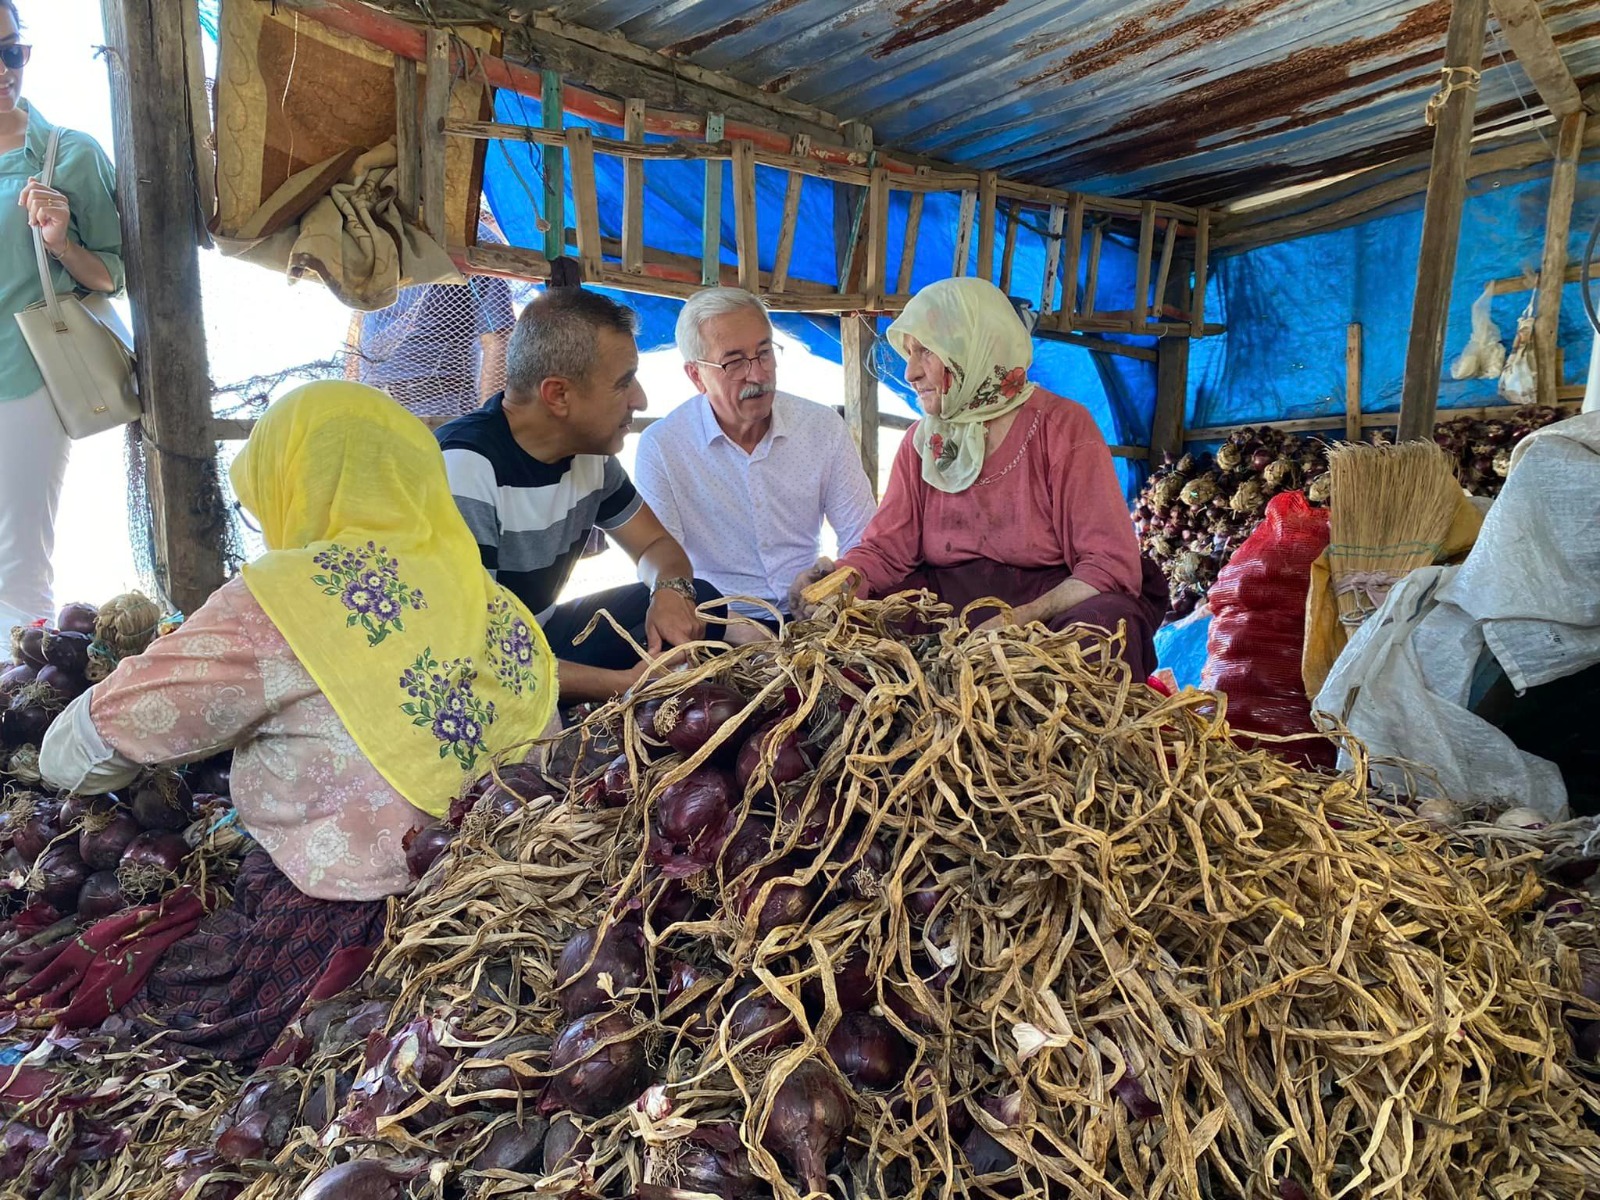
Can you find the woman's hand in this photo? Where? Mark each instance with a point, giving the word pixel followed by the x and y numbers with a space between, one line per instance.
pixel 50 212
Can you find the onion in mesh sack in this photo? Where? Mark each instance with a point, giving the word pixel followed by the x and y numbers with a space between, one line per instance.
pixel 591 1077
pixel 620 955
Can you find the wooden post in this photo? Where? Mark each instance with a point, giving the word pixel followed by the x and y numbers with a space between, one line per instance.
pixel 875 282
pixel 1141 267
pixel 1091 280
pixel 1537 52
pixel 1008 252
pixel 1172 364
pixel 1074 254
pixel 711 218
pixel 435 110
pixel 580 149
pixel 969 202
pixel 988 181
pixel 744 216
pixel 407 140
pixel 1352 383
pixel 555 171
pixel 1202 266
pixel 633 192
pixel 1553 267
pixel 1441 220
pixel 791 217
pixel 848 201
pixel 154 143
pixel 908 248
pixel 858 335
pixel 1052 264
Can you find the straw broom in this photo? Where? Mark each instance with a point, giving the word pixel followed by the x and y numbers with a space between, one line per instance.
pixel 1390 510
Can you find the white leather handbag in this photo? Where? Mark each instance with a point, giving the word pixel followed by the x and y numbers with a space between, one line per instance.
pixel 83 350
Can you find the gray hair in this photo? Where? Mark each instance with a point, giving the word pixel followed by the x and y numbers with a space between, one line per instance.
pixel 555 336
pixel 708 305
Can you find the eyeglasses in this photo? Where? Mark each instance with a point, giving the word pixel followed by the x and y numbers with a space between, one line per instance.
pixel 739 368
pixel 15 56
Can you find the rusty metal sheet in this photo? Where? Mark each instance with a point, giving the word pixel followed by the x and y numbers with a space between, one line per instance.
pixel 1193 100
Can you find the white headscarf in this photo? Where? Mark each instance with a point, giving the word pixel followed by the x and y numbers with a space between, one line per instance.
pixel 972 327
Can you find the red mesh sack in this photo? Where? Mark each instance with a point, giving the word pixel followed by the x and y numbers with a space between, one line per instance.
pixel 1258 627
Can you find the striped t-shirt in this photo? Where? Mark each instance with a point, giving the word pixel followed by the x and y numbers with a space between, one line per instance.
pixel 531 519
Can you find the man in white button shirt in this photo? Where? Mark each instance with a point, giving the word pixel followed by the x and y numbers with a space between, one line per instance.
pixel 744 475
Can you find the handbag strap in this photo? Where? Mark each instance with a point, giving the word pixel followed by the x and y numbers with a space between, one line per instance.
pixel 51 300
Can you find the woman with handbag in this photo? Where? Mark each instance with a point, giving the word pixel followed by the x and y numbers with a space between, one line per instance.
pixel 76 218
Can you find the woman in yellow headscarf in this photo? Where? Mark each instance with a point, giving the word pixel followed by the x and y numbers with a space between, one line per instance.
pixel 361 671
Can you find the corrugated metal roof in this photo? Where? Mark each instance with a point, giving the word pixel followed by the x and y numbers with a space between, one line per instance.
pixel 1189 100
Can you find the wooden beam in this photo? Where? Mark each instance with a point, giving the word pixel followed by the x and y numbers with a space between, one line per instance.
pixel 1141 270
pixel 875 281
pixel 154 147
pixel 1099 345
pixel 1216 433
pixel 1352 382
pixel 1008 250
pixel 1513 284
pixel 848 203
pixel 1553 266
pixel 435 111
pixel 908 247
pixel 1202 267
pixel 1441 220
pixel 609 63
pixel 1172 394
pixel 858 336
pixel 1169 244
pixel 407 140
pixel 746 244
pixel 790 222
pixel 633 192
pixel 580 150
pixel 1365 193
pixel 711 214
pixel 555 182
pixel 1091 282
pixel 958 265
pixel 1073 248
pixel 988 181
pixel 1529 38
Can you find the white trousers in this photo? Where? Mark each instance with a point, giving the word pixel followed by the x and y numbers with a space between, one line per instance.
pixel 31 472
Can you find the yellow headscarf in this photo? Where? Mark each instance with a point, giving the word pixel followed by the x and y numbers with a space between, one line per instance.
pixel 375 581
pixel 971 326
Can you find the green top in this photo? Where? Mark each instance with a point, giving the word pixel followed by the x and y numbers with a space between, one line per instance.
pixel 85 175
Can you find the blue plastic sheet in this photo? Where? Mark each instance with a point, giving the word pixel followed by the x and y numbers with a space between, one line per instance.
pixel 1287 308
pixel 1181 647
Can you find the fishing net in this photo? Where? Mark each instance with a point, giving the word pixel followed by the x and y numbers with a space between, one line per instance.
pixel 1118 956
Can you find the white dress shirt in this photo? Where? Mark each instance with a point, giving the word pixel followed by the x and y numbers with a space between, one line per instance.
pixel 751 523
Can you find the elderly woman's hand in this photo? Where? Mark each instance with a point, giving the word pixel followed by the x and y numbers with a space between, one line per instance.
pixel 50 212
pixel 818 571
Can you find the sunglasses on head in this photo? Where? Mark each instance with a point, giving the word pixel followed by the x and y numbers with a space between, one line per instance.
pixel 15 56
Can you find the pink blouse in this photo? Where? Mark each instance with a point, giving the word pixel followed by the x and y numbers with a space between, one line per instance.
pixel 1048 496
pixel 227 677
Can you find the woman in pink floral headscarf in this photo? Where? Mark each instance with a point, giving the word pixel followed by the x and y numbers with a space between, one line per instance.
pixel 1002 489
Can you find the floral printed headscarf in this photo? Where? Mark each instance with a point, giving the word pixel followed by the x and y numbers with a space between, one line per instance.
pixel 976 333
pixel 376 583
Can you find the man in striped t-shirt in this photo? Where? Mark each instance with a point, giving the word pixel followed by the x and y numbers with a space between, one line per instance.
pixel 535 470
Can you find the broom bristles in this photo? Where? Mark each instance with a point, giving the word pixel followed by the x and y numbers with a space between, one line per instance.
pixel 1389 513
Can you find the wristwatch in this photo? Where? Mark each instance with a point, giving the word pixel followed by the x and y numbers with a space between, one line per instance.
pixel 684 587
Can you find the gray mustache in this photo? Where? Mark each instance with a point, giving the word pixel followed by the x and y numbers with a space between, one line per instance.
pixel 751 390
